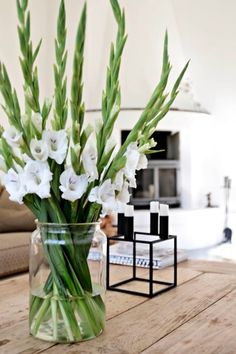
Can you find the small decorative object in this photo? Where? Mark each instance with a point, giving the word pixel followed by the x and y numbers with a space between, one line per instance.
pixel 164 221
pixel 150 241
pixel 154 218
pixel 129 222
pixel 121 220
pixel 69 177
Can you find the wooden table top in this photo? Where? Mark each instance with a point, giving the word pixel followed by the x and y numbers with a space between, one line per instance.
pixel 199 316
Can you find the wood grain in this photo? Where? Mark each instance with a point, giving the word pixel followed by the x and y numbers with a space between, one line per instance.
pixel 14 328
pixel 14 294
pixel 140 327
pixel 210 266
pixel 212 332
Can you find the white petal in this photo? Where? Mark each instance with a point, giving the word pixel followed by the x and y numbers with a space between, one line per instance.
pixel 132 182
pixel 109 207
pixel 89 158
pixel 12 136
pixel 39 149
pixel 72 185
pixel 124 195
pixel 14 183
pixel 142 162
pixel 119 180
pixel 57 143
pixel 38 177
pixel 93 195
pixel 26 158
pixel 104 195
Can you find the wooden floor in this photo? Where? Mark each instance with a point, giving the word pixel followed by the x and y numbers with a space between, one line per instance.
pixel 199 316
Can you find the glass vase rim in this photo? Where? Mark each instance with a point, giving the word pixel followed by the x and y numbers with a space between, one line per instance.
pixel 41 223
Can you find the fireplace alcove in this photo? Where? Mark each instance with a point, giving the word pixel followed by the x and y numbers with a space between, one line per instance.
pixel 160 181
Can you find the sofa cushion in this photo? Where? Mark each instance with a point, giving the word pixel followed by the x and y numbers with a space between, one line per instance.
pixel 14 252
pixel 13 216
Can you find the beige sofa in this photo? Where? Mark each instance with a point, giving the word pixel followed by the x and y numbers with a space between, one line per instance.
pixel 16 225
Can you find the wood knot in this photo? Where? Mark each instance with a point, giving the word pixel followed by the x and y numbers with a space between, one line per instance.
pixel 4 341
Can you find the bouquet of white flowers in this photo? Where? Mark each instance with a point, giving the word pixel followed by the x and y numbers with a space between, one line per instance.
pixel 72 173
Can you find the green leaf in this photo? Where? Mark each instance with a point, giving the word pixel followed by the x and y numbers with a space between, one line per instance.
pixel 37 50
pixel 77 84
pixel 116 10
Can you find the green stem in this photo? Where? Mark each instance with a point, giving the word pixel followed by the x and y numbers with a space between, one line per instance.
pixel 54 312
pixel 70 321
pixel 38 318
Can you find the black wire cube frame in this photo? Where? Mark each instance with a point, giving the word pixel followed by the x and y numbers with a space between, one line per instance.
pixel 151 293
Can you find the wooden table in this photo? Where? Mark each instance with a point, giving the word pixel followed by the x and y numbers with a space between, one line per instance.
pixel 199 316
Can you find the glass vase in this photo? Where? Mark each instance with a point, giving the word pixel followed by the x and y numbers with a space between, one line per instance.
pixel 67 282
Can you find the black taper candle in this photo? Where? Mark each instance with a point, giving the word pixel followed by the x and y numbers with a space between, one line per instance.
pixel 129 222
pixel 164 221
pixel 154 223
pixel 164 227
pixel 121 223
pixel 154 217
pixel 129 228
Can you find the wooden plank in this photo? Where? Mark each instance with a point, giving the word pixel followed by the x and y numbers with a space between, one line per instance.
pixel 117 303
pixel 210 266
pixel 14 295
pixel 138 328
pixel 211 332
pixel 15 339
pixel 14 334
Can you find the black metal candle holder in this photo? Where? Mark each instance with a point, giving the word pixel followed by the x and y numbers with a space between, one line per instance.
pixel 151 293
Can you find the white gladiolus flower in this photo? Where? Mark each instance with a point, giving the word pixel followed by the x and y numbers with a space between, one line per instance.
pixel 15 185
pixel 25 120
pixel 26 158
pixel 132 182
pixel 134 161
pixel 57 142
pixel 89 158
pixel 104 195
pixel 124 195
pixel 37 121
pixel 37 178
pixel 132 158
pixel 72 185
pixel 13 136
pixel 142 162
pixel 39 149
pixel 119 180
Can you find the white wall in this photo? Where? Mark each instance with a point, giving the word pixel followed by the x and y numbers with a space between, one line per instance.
pixel 146 23
pixel 9 48
pixel 142 55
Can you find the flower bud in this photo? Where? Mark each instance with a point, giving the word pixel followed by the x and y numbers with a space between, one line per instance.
pixel 37 121
pixel 98 124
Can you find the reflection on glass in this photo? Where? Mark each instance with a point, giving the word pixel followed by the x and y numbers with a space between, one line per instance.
pixel 167 182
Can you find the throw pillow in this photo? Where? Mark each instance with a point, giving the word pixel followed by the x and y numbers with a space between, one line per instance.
pixel 13 216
